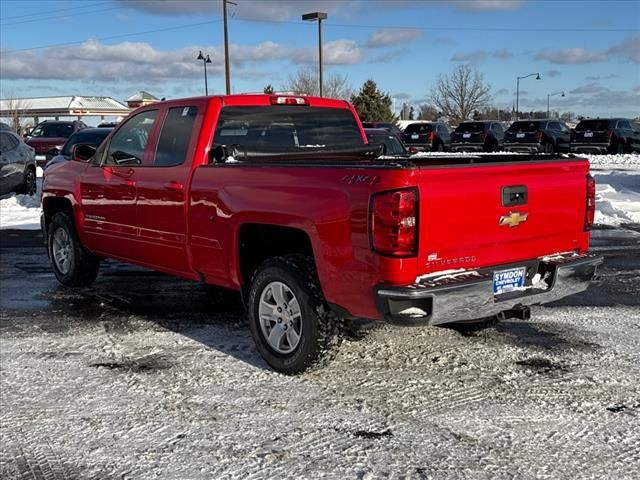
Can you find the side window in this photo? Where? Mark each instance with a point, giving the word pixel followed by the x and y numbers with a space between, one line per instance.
pixel 555 126
pixel 7 142
pixel 624 124
pixel 129 142
pixel 175 137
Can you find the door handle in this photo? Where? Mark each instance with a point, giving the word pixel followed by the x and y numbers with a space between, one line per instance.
pixel 174 186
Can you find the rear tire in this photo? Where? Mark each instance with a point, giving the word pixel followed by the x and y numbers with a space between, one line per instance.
pixel 290 321
pixel 73 265
pixel 549 148
pixel 439 147
pixel 29 185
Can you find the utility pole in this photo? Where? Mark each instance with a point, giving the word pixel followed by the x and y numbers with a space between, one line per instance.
pixel 227 73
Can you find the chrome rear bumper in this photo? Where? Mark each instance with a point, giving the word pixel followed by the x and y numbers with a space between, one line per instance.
pixel 469 295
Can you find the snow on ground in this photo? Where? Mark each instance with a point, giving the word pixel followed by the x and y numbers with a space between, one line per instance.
pixel 617 193
pixel 21 211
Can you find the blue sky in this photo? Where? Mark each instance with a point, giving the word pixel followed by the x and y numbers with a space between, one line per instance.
pixel 589 49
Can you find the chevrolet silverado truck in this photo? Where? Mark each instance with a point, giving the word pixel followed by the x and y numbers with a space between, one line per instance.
pixel 282 199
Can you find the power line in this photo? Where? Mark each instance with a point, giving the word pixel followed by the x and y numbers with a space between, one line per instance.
pixel 58 16
pixel 89 5
pixel 111 37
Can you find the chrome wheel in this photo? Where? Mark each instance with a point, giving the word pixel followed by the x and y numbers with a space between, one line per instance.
pixel 62 250
pixel 280 317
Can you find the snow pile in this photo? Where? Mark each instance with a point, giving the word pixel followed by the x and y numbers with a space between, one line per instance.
pixel 21 212
pixel 617 196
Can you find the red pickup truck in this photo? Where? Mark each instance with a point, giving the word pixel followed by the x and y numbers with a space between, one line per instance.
pixel 281 198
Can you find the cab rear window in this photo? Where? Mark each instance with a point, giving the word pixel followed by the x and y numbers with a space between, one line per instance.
pixel 287 127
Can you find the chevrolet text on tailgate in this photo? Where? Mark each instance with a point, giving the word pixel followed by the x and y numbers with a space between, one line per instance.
pixel 280 198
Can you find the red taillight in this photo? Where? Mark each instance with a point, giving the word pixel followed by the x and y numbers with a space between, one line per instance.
pixel 610 133
pixel 484 135
pixel 539 136
pixel 432 136
pixel 590 211
pixel 289 101
pixel 394 223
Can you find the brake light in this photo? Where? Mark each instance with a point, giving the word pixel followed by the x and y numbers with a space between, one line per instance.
pixel 539 136
pixel 289 101
pixel 610 133
pixel 394 223
pixel 590 211
pixel 432 136
pixel 484 135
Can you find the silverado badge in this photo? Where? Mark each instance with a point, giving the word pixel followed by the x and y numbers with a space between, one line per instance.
pixel 513 219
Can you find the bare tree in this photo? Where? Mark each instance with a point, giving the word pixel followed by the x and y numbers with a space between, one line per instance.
pixel 458 95
pixel 15 110
pixel 428 112
pixel 305 80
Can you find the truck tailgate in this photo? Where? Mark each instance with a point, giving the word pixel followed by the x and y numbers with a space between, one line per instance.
pixel 474 216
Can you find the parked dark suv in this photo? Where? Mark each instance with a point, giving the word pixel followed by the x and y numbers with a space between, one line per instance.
pixel 537 136
pixel 606 135
pixel 48 137
pixel 483 136
pixel 429 136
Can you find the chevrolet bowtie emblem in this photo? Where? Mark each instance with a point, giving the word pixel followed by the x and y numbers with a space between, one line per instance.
pixel 513 219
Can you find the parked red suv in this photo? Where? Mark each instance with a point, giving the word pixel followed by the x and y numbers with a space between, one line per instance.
pixel 48 138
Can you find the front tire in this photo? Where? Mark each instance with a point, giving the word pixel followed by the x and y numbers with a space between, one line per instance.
pixel 73 265
pixel 28 187
pixel 290 321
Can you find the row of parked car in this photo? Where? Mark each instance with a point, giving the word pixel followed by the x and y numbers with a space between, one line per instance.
pixel 50 142
pixel 612 135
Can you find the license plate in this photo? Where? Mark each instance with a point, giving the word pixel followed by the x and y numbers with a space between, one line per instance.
pixel 508 280
pixel 520 135
pixel 466 135
pixel 41 157
pixel 415 136
pixel 588 134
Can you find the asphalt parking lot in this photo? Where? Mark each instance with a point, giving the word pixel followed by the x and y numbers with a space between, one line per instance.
pixel 144 376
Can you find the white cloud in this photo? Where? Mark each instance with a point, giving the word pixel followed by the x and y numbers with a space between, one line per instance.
pixel 391 37
pixel 338 52
pixel 491 5
pixel 628 49
pixel 135 61
pixel 461 5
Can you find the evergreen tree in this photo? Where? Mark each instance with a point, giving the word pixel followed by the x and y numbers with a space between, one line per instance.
pixel 269 89
pixel 373 105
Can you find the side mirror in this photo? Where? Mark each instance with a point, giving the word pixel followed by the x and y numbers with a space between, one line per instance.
pixel 82 152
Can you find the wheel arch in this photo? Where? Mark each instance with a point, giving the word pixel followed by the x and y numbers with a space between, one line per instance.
pixel 257 242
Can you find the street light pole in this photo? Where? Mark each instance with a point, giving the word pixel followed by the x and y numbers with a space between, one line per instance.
pixel 518 90
pixel 205 60
pixel 551 95
pixel 319 16
pixel 227 73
